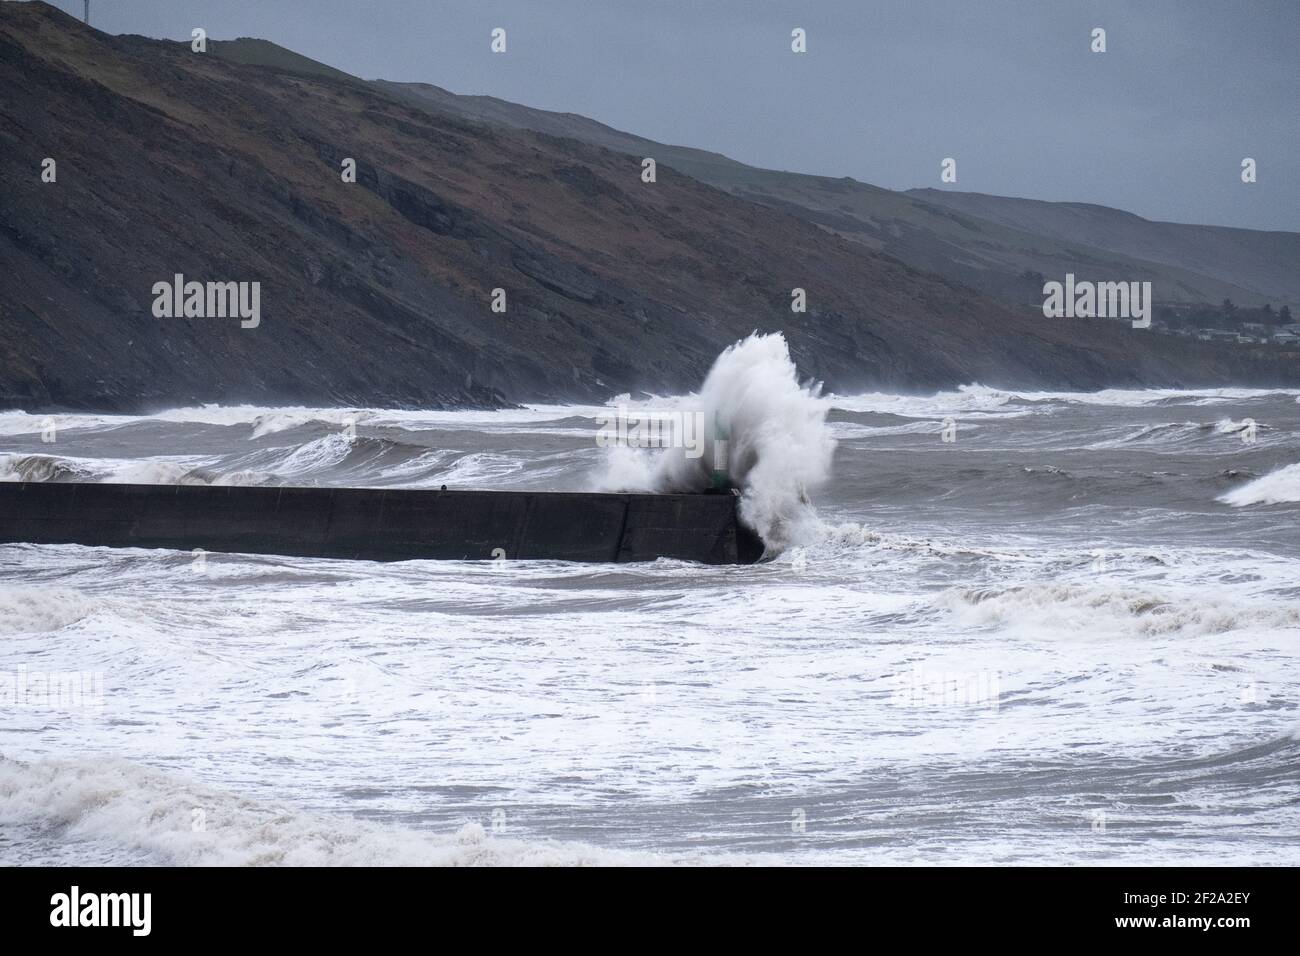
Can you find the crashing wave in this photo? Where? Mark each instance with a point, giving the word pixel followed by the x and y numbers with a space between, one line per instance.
pixel 778 447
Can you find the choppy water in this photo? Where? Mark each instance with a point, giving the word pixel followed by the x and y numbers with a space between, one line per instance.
pixel 1068 635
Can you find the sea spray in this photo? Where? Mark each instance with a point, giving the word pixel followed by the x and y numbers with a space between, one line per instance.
pixel 770 438
pixel 1278 487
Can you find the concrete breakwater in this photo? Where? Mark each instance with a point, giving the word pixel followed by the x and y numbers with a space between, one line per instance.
pixel 380 524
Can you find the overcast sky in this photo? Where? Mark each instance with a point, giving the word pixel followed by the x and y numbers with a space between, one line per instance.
pixel 1157 125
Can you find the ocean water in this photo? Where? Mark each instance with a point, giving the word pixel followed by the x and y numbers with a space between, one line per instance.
pixel 1066 635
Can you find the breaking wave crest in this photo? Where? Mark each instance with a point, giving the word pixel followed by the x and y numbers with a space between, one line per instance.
pixel 1065 608
pixel 1280 487
pixel 36 610
pixel 335 457
pixel 42 468
pixel 51 468
pixel 778 447
pixel 125 812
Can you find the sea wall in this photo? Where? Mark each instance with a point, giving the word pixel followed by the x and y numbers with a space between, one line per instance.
pixel 379 525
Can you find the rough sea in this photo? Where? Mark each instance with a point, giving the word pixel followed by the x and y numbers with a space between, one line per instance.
pixel 1022 628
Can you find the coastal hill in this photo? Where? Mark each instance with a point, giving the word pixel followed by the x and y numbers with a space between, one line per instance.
pixel 992 243
pixel 225 166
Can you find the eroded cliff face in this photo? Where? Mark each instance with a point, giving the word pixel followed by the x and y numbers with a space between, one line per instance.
pixel 380 291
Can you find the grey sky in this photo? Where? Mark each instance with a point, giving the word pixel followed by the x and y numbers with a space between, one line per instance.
pixel 1157 125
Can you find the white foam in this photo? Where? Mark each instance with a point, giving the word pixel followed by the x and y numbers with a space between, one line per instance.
pixel 24 423
pixel 267 420
pixel 42 468
pixel 544 686
pixel 967 401
pixel 155 471
pixel 37 610
pixel 977 401
pixel 477 468
pixel 1112 610
pixel 973 400
pixel 316 455
pixel 1280 487
pixel 141 471
pixel 847 431
pixel 175 820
